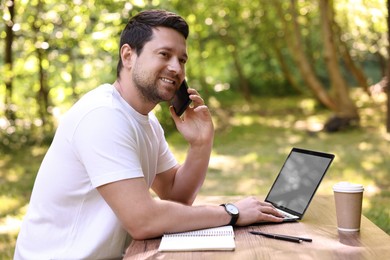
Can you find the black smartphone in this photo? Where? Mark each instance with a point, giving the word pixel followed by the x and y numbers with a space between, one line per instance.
pixel 181 100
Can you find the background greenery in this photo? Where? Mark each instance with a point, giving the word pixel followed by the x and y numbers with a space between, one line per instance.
pixel 62 50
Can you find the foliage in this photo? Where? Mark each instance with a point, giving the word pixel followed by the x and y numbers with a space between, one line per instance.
pixel 76 44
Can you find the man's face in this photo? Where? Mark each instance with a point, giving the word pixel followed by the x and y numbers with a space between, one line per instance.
pixel 160 68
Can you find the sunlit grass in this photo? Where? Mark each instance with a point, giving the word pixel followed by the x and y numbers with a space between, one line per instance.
pixel 251 144
pixel 17 174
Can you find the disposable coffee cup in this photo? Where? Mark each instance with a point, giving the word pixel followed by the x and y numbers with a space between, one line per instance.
pixel 348 199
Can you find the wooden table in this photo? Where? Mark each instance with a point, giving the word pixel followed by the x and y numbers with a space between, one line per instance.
pixel 319 223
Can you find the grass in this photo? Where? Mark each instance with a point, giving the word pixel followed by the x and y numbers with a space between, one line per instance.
pixel 251 143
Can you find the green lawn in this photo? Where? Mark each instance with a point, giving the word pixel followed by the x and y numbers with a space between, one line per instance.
pixel 250 146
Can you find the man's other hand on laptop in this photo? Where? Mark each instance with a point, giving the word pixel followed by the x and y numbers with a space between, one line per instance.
pixel 254 211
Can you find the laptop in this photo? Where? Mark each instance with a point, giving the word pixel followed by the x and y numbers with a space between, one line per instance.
pixel 297 182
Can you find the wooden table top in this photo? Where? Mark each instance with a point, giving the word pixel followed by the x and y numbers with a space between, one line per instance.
pixel 319 223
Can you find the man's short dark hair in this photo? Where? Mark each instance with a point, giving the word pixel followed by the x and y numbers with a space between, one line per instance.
pixel 139 29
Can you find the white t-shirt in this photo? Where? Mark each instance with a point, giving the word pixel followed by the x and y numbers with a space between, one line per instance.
pixel 100 140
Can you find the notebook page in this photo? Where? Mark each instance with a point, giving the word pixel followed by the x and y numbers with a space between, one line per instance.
pixel 219 238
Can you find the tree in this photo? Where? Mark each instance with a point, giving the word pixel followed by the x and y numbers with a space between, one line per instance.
pixel 337 99
pixel 8 61
pixel 343 48
pixel 42 44
pixel 346 110
pixel 278 37
pixel 388 69
pixel 304 65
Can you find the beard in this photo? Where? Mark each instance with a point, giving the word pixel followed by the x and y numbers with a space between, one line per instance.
pixel 148 87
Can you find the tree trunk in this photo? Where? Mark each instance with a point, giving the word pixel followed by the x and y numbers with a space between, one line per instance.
pixel 8 61
pixel 72 60
pixel 242 80
pixel 277 49
pixel 345 106
pixel 388 69
pixel 43 92
pixel 355 70
pixel 202 72
pixel 304 66
pixel 285 70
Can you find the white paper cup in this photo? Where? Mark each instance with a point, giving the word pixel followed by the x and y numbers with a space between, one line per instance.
pixel 348 199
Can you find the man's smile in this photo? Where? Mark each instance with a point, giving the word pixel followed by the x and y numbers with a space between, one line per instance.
pixel 168 80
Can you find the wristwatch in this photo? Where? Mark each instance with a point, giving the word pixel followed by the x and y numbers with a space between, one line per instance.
pixel 232 211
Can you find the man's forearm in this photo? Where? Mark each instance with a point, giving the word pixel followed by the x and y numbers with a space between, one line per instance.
pixel 191 175
pixel 175 217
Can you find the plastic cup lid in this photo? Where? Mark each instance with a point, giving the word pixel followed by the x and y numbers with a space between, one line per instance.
pixel 347 187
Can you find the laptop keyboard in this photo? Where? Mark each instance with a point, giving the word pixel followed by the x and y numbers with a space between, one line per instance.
pixel 287 215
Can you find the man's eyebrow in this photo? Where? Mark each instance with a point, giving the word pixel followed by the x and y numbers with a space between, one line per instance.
pixel 184 55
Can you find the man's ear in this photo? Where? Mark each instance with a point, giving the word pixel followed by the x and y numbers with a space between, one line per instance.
pixel 127 54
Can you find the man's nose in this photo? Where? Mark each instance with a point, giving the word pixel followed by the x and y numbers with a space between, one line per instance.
pixel 175 66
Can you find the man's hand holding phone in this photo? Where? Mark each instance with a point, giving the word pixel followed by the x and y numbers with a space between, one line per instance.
pixel 196 124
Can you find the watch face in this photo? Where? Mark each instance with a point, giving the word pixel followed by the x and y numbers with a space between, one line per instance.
pixel 232 209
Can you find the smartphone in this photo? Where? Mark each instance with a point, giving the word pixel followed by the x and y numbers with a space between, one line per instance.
pixel 181 100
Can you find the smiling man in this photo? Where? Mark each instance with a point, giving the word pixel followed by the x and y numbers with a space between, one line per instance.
pixel 109 150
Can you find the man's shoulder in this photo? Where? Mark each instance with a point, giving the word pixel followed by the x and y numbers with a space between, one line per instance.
pixel 101 96
pixel 98 94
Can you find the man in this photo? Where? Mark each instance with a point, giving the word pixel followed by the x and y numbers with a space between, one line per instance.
pixel 109 149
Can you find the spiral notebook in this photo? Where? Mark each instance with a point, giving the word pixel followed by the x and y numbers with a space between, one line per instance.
pixel 210 239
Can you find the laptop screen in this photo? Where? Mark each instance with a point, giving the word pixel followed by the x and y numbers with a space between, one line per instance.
pixel 298 180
